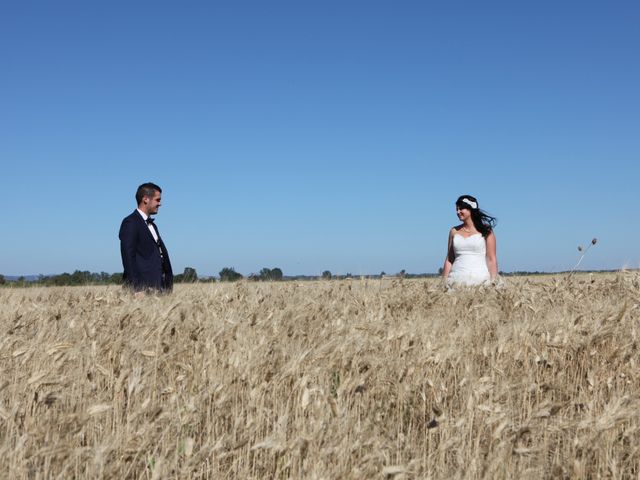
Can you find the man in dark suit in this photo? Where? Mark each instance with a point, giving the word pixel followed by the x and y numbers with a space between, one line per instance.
pixel 144 256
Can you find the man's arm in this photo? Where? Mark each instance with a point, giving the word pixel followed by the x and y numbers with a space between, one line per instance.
pixel 128 242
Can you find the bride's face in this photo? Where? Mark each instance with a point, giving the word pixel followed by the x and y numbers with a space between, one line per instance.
pixel 463 213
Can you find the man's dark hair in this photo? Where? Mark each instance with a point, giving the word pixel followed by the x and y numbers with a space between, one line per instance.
pixel 146 190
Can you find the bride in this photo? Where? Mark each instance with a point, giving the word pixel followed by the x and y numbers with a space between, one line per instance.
pixel 471 254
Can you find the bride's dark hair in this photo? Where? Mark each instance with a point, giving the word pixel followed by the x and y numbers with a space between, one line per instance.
pixel 483 222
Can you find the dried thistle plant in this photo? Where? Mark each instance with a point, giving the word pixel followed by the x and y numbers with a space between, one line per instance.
pixel 584 252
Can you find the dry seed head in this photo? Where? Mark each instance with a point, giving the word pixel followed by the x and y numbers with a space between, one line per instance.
pixel 98 409
pixel 594 241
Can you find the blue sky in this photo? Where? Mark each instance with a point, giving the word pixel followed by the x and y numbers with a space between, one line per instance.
pixel 313 136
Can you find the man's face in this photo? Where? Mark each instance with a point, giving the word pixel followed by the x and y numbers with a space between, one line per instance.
pixel 152 204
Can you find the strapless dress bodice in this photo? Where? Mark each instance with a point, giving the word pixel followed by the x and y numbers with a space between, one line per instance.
pixel 470 260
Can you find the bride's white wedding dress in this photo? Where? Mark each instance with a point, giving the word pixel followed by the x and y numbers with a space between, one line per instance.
pixel 470 263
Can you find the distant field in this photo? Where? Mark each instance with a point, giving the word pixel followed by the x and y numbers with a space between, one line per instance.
pixel 329 379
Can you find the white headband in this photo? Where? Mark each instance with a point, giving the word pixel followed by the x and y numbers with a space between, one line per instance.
pixel 473 205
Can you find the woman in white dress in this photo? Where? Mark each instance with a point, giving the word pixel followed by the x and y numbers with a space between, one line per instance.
pixel 471 254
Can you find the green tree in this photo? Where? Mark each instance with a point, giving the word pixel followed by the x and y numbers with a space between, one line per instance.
pixel 189 275
pixel 228 274
pixel 62 280
pixel 326 275
pixel 265 274
pixel 276 274
pixel 270 274
pixel 81 277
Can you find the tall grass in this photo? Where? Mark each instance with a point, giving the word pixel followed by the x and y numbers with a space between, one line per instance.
pixel 351 379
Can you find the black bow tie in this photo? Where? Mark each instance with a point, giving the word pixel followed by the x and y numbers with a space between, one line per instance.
pixel 149 220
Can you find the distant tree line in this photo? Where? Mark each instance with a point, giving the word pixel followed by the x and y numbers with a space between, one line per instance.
pixel 68 279
pixel 227 274
pixel 189 275
pixel 327 275
pixel 90 278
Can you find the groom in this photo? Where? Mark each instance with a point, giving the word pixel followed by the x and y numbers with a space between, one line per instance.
pixel 144 256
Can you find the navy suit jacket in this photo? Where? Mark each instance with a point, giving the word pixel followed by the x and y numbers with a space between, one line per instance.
pixel 144 266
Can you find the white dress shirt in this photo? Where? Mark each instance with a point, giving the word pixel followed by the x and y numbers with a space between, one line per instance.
pixel 149 226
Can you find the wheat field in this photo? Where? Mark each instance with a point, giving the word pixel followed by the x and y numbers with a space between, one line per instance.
pixel 321 380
